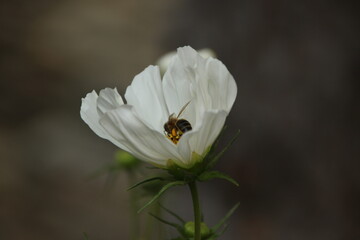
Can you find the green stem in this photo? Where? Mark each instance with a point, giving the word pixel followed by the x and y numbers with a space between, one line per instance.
pixel 134 228
pixel 197 211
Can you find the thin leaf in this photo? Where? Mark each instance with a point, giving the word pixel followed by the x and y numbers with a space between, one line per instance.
pixel 177 226
pixel 222 221
pixel 226 226
pixel 217 140
pixel 215 174
pixel 215 236
pixel 162 190
pixel 145 181
pixel 215 159
pixel 173 214
pixel 165 221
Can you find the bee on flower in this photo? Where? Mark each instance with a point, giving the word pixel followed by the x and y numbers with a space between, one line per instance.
pixel 166 120
pixel 175 127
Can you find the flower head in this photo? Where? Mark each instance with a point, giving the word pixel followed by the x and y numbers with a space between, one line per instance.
pixel 204 86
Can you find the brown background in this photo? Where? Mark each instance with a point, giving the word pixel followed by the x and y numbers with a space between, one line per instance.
pixel 296 66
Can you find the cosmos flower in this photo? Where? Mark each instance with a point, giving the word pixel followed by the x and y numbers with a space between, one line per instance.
pixel 201 89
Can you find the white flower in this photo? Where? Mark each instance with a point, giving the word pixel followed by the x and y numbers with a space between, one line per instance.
pixel 138 125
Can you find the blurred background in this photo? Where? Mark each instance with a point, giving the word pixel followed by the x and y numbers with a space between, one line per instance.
pixel 297 157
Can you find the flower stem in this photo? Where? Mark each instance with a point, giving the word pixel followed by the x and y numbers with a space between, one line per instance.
pixel 134 229
pixel 197 211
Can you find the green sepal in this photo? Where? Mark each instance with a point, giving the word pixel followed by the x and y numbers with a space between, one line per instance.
pixel 162 190
pixel 146 181
pixel 224 219
pixel 215 174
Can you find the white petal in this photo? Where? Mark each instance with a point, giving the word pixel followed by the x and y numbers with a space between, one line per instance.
pixel 189 57
pixel 221 85
pixel 165 60
pixel 89 114
pixel 200 139
pixel 179 84
pixel 108 99
pixel 147 144
pixel 216 88
pixel 206 82
pixel 146 95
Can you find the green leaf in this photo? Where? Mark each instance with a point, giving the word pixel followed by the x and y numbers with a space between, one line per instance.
pixel 162 190
pixel 217 140
pixel 215 174
pixel 177 226
pixel 215 159
pixel 145 181
pixel 225 227
pixel 173 214
pixel 224 219
pixel 215 236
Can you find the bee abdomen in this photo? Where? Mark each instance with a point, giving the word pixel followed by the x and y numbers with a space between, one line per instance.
pixel 183 125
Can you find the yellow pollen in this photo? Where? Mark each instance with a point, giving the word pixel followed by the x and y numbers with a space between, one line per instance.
pixel 174 136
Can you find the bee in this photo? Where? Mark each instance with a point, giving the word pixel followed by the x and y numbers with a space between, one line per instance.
pixel 175 127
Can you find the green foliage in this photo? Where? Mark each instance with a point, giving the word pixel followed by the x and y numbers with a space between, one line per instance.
pixel 208 175
pixel 186 229
pixel 175 225
pixel 178 176
pixel 199 172
pixel 224 219
pixel 213 159
pixel 182 221
pixel 162 190
pixel 146 181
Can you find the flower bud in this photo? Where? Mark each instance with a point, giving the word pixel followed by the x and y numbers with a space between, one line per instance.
pixel 189 229
pixel 125 160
